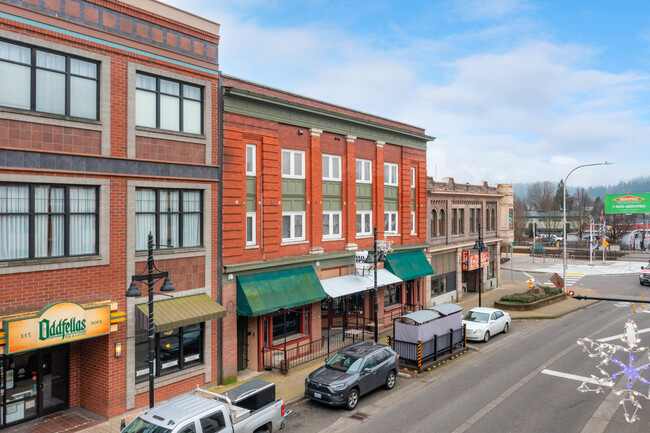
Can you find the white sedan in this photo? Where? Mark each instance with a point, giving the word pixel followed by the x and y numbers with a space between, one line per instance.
pixel 483 322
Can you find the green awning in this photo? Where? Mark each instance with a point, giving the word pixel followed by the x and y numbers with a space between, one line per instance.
pixel 266 292
pixel 176 312
pixel 409 265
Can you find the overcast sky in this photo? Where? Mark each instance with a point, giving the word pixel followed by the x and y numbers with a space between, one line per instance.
pixel 513 91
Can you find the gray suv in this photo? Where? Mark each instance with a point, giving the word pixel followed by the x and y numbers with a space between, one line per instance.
pixel 352 372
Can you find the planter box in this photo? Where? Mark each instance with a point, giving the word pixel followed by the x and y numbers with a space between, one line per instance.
pixel 533 305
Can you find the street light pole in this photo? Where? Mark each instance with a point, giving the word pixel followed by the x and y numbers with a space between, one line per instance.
pixel 480 246
pixel 151 278
pixel 564 218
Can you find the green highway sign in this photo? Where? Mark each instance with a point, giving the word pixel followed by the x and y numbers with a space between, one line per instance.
pixel 627 203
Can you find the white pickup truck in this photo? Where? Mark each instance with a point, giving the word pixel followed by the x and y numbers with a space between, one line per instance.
pixel 255 411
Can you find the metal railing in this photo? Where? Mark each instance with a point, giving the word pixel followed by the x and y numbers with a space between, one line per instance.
pixel 421 351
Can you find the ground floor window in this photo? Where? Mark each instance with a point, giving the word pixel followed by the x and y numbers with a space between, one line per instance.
pixel 289 323
pixel 392 295
pixel 438 286
pixel 176 349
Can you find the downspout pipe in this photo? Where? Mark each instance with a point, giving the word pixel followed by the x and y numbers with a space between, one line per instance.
pixel 220 233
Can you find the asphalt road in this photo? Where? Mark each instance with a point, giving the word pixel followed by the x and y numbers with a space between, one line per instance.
pixel 501 387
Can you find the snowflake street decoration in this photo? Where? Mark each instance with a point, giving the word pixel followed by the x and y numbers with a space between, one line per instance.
pixel 612 368
pixel 385 246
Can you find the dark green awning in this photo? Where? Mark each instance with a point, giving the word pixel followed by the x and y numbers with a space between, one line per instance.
pixel 409 265
pixel 176 312
pixel 266 292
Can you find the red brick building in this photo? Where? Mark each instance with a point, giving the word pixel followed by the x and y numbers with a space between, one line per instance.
pixel 304 184
pixel 108 131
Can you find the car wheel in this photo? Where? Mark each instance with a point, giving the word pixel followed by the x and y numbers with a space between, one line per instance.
pixel 486 336
pixel 352 400
pixel 506 328
pixel 390 380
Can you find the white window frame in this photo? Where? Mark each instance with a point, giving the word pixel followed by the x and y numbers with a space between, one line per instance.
pixel 292 164
pixel 254 160
pixel 253 217
pixel 365 175
pixel 388 216
pixel 365 214
pixel 412 177
pixel 413 231
pixel 331 214
pixel 332 161
pixel 292 237
pixel 393 174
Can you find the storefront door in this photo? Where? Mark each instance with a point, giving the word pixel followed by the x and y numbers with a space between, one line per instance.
pixel 35 384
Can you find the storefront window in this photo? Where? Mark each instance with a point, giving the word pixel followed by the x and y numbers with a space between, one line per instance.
pixel 286 325
pixel 438 286
pixel 355 303
pixel 392 295
pixel 176 349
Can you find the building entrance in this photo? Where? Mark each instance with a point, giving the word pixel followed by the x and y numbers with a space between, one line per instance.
pixel 34 384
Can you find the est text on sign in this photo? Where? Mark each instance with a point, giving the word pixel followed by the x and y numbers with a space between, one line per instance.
pixel 58 323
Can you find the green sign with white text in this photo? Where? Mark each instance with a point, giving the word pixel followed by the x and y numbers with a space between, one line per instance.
pixel 627 203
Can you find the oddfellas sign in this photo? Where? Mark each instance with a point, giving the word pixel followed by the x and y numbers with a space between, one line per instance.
pixel 58 323
pixel 627 203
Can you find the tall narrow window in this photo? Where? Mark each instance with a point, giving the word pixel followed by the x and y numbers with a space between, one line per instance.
pixel 454 221
pixel 412 177
pixel 461 221
pixel 413 223
pixel 442 224
pixel 293 226
pixel 390 222
pixel 434 223
pixel 250 160
pixel 250 228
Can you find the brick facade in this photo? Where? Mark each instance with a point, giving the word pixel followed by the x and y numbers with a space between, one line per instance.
pixel 117 157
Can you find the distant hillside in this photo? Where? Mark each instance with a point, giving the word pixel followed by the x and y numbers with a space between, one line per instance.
pixel 637 185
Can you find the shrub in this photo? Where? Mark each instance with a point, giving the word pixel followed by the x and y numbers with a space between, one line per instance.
pixel 527 298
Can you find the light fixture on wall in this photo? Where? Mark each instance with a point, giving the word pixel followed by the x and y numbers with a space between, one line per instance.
pixel 300 132
pixel 118 349
pixel 337 138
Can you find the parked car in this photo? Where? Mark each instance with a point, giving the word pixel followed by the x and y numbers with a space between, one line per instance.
pixel 483 323
pixel 352 372
pixel 644 276
pixel 205 411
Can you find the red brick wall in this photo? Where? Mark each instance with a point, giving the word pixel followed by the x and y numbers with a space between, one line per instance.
pixel 186 273
pixel 169 150
pixel 38 136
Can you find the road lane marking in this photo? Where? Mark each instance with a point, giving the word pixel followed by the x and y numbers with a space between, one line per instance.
pixel 575 377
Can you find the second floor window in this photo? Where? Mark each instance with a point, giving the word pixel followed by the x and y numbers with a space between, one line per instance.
pixel 364 171
pixel 390 222
pixel 413 223
pixel 293 164
pixel 162 103
pixel 332 224
pixel 293 226
pixel 364 222
pixel 390 174
pixel 412 177
pixel 173 216
pixel 41 221
pixel 48 82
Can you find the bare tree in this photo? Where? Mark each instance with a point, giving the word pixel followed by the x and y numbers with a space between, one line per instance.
pixel 541 196
pixel 581 207
pixel 519 223
pixel 620 223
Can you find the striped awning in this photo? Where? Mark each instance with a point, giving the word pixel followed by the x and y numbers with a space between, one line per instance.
pixel 177 312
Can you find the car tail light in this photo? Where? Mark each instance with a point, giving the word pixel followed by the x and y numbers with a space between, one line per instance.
pixel 282 409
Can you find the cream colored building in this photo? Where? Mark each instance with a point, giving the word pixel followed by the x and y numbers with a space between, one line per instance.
pixel 454 212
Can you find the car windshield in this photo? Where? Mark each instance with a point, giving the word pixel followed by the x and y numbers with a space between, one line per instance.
pixel 141 426
pixel 475 316
pixel 344 362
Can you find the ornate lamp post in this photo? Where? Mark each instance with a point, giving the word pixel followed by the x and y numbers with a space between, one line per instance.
pixel 480 246
pixel 381 257
pixel 151 278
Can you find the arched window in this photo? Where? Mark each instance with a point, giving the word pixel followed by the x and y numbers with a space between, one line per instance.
pixel 494 219
pixel 434 223
pixel 442 226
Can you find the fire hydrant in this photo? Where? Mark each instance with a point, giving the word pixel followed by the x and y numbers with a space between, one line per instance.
pixel 530 284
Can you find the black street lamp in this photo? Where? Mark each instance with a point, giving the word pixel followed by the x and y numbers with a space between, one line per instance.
pixel 376 258
pixel 480 246
pixel 151 278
